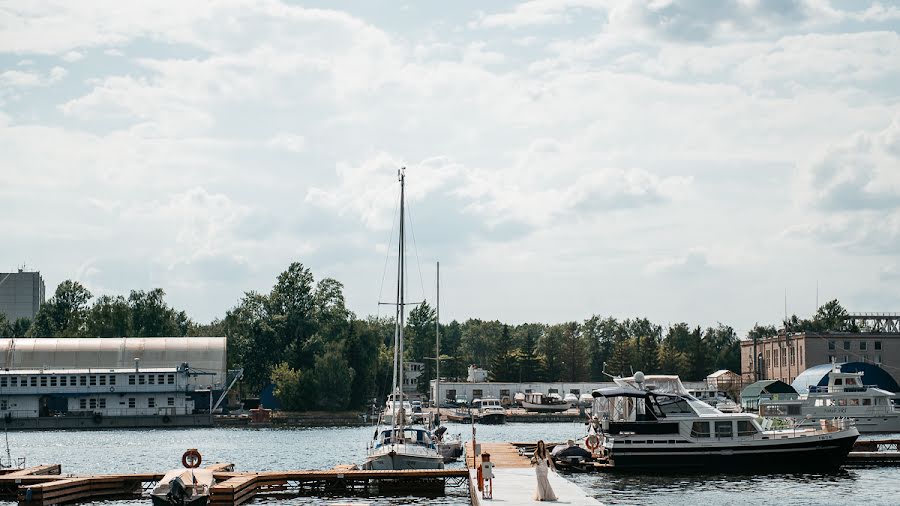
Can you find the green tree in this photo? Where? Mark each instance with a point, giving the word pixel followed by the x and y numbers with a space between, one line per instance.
pixel 63 315
pixel 419 341
pixel 288 387
pixel 334 378
pixel 549 349
pixel 291 310
pixel 528 335
pixel 362 351
pixel 574 366
pixel 252 342
pixel 152 317
pixel 505 365
pixel 109 317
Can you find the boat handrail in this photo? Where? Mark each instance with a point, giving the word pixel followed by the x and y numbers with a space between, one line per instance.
pixel 815 389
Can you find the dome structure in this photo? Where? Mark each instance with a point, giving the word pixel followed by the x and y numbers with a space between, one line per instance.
pixel 200 353
pixel 872 375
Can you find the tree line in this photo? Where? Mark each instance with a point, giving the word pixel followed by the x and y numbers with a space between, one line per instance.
pixel 301 338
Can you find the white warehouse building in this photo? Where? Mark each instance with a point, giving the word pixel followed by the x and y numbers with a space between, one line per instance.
pixel 101 382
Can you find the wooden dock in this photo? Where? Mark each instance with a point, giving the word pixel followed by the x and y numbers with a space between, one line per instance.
pixel 44 485
pixel 514 480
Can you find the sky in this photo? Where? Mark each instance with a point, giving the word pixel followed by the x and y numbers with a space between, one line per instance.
pixel 678 160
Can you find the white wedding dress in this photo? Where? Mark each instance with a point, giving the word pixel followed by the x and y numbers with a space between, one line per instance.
pixel 543 492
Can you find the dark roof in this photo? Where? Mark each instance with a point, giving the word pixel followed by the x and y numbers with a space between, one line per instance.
pixel 817 375
pixel 767 387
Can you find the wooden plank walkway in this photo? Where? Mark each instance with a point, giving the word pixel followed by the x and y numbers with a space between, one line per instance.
pixel 514 479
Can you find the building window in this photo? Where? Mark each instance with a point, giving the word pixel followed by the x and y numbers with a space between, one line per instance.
pixel 131 402
pixel 14 381
pixel 103 380
pixel 3 381
pixel 140 379
pixel 161 379
pixel 93 381
pixel 93 403
pixel 33 381
pixel 52 381
pixel 801 354
pixel 171 379
pixel 451 394
pixel 170 401
pixel 3 405
pixel 102 404
pixel 878 358
pixel 73 380
pixel 504 393
pixel 878 345
pixel 131 379
pixel 830 345
pixel 82 403
pixel 151 378
pixel 846 345
pixel 862 345
pixel 151 402
pixel 477 393
pixel 82 380
pixel 830 359
pixel 846 358
pixel 775 358
pixel 112 379
pixel 62 381
pixel 43 381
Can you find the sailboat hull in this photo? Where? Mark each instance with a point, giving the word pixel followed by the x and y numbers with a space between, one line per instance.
pixel 397 460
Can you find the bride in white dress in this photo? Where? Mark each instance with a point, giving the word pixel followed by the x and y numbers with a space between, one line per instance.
pixel 542 462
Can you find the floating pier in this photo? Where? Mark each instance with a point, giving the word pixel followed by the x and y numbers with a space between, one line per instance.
pixel 44 485
pixel 874 452
pixel 514 480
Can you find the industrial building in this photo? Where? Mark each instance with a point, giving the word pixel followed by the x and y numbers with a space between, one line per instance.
pixel 785 355
pixel 118 382
pixel 21 294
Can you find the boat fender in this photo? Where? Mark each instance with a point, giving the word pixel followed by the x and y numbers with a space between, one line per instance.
pixel 191 458
pixel 98 418
pixel 166 419
pixel 592 442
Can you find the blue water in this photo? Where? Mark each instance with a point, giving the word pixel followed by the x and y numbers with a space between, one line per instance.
pixel 122 451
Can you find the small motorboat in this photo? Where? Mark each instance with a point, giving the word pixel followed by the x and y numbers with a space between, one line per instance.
pixel 188 486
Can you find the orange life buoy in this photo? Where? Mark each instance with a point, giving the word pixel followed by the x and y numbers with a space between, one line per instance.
pixel 191 458
pixel 592 442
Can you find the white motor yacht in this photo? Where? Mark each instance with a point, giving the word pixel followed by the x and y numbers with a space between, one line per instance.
pixel 489 411
pixel 845 396
pixel 540 403
pixel 653 423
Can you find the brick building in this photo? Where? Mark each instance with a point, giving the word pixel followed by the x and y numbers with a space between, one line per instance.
pixel 784 356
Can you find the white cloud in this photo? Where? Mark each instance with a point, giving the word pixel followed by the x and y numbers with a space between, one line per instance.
pixel 30 79
pixel 692 263
pixel 536 12
pixel 72 56
pixel 288 142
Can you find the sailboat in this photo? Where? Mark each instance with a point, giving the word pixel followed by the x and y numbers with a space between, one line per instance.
pixel 397 446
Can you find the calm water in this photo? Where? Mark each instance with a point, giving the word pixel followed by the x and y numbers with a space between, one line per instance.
pixel 270 449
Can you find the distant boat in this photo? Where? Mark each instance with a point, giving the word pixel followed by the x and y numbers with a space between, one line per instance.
pixel 717 399
pixel 399 446
pixel 489 411
pixel 845 396
pixel 540 403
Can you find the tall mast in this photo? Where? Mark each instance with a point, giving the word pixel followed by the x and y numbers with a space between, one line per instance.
pixel 437 338
pixel 401 281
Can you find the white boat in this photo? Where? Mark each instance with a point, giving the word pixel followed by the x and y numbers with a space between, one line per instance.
pixel 540 403
pixel 845 396
pixel 489 411
pixel 653 423
pixel 717 399
pixel 392 407
pixel 395 445
pixel 183 487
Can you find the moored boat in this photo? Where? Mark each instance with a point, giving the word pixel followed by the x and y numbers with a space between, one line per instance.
pixel 652 423
pixel 183 487
pixel 846 396
pixel 489 412
pixel 539 403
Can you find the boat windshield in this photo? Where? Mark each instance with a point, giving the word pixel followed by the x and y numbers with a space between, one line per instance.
pixel 410 436
pixel 656 383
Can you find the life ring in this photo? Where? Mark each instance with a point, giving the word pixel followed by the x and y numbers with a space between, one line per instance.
pixel 191 459
pixel 112 389
pixel 98 418
pixel 592 442
pixel 166 419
